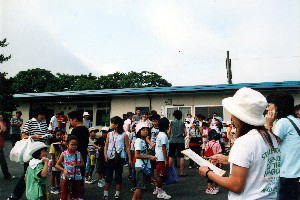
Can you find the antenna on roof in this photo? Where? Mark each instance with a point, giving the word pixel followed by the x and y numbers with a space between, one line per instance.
pixel 228 68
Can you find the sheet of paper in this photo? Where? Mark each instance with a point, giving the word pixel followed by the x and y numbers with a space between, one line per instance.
pixel 202 162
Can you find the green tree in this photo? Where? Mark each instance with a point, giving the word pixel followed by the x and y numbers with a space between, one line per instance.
pixel 6 94
pixel 34 80
pixel 2 57
pixel 41 80
pixel 132 80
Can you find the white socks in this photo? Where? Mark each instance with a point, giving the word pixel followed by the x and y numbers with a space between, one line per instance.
pixel 105 193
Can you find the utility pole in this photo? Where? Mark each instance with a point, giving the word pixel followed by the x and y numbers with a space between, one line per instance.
pixel 228 68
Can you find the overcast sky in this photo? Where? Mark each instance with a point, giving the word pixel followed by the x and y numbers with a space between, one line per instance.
pixel 184 41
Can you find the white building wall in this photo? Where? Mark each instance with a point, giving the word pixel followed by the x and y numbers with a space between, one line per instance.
pixel 124 104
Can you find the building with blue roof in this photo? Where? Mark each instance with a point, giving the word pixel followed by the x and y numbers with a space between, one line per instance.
pixel 103 104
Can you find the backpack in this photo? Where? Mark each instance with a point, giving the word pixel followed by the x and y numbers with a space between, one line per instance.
pixel 209 152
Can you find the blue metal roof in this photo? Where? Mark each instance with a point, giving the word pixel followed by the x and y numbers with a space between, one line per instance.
pixel 153 90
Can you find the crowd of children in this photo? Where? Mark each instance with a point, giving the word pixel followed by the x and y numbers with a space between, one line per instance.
pixel 149 146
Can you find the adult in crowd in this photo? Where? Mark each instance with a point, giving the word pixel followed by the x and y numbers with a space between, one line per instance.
pixel 82 133
pixel 137 116
pixel 53 123
pixel 284 123
pixel 15 130
pixel 255 157
pixel 3 163
pixel 86 120
pixel 36 128
pixel 177 133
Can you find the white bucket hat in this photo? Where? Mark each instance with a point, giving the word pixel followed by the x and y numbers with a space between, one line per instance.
pixel 93 129
pixel 35 146
pixel 140 125
pixel 86 114
pixel 247 105
pixel 105 129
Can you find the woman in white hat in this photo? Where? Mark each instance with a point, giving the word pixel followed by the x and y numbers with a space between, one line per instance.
pixel 255 157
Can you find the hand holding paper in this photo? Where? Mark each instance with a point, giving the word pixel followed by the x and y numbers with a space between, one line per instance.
pixel 202 162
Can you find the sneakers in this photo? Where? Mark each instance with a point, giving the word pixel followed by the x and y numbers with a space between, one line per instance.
pixel 101 183
pixel 130 178
pixel 211 191
pixel 11 197
pixel 163 195
pixel 105 197
pixel 155 192
pixel 89 180
pixel 117 197
pixel 216 189
pixel 10 177
pixel 54 190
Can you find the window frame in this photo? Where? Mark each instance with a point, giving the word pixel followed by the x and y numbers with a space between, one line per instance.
pixel 203 106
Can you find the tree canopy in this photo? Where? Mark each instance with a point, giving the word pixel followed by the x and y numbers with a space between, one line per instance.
pixel 41 80
pixel 6 99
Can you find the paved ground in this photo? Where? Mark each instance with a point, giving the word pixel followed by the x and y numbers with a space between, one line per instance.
pixel 191 187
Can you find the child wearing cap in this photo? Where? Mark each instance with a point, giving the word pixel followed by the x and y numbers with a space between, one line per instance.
pixel 100 163
pixel 36 174
pixel 142 160
pixel 91 157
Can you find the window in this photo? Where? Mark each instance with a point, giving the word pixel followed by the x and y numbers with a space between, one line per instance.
pixel 208 111
pixel 103 114
pixel 86 108
pixel 142 109
pixel 184 109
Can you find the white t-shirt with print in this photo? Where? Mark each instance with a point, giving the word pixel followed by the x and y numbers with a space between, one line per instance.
pixel 161 139
pixel 140 145
pixel 154 132
pixel 263 163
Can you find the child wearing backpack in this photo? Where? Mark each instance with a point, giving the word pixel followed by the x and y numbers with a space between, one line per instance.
pixel 142 165
pixel 70 162
pixel 213 147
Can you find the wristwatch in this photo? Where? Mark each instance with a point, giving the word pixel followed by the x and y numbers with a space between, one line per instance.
pixel 206 174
